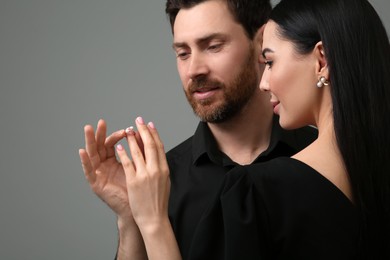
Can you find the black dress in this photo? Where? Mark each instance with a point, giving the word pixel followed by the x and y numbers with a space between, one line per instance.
pixel 282 209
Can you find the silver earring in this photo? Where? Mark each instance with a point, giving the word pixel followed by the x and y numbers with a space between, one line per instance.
pixel 322 81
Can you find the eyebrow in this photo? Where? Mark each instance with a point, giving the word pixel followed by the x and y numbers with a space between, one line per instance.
pixel 201 40
pixel 265 51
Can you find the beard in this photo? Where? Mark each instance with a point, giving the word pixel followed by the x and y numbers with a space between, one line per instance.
pixel 236 93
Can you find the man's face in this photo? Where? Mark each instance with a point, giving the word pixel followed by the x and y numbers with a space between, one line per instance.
pixel 216 61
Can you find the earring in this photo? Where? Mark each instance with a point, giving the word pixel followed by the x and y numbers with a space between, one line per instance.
pixel 322 81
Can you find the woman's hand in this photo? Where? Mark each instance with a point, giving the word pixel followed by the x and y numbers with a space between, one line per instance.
pixel 147 175
pixel 148 186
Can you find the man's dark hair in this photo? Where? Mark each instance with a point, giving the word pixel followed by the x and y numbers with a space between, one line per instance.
pixel 251 14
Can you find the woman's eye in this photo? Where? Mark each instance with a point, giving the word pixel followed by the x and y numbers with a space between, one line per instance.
pixel 268 63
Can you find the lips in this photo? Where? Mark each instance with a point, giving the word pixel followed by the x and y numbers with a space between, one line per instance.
pixel 202 93
pixel 275 105
pixel 204 89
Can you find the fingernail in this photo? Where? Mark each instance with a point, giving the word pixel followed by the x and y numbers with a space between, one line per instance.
pixel 129 130
pixel 151 125
pixel 140 120
pixel 119 147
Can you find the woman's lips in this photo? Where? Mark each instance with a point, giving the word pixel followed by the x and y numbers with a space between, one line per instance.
pixel 275 105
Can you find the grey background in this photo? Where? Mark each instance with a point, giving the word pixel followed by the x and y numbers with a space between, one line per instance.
pixel 64 64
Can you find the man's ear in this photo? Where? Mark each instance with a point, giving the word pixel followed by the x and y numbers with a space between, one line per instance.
pixel 258 42
pixel 322 68
pixel 258 38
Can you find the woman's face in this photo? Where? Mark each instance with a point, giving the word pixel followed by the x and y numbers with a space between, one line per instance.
pixel 291 79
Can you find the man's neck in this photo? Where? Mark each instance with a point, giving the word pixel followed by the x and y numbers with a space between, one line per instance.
pixel 248 134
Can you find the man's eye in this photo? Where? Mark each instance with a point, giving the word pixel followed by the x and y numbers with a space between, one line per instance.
pixel 182 55
pixel 215 47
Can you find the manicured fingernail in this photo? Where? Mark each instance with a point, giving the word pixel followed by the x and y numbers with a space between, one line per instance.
pixel 140 120
pixel 130 130
pixel 119 147
pixel 151 125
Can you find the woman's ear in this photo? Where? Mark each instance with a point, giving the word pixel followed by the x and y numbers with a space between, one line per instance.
pixel 322 68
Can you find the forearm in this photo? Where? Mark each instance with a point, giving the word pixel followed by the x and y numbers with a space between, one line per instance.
pixel 148 185
pixel 131 245
pixel 160 241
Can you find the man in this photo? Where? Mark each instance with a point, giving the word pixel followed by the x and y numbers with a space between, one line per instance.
pixel 217 44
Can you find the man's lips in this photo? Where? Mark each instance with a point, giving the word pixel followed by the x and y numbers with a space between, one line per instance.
pixel 203 89
pixel 202 93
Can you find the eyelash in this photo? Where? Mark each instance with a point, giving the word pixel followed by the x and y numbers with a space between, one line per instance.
pixel 269 63
pixel 182 55
pixel 214 47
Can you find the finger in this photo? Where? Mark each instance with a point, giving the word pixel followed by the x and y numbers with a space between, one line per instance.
pixel 91 146
pixel 100 139
pixel 150 148
pixel 130 130
pixel 112 140
pixel 87 166
pixel 127 164
pixel 159 145
pixel 135 151
pixel 139 142
pixel 156 137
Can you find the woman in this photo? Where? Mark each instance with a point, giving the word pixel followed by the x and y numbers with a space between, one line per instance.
pixel 347 98
pixel 327 65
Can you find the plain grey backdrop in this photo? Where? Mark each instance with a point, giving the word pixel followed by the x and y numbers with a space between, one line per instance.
pixel 64 64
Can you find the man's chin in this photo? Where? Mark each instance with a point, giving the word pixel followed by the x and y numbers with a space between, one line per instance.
pixel 210 116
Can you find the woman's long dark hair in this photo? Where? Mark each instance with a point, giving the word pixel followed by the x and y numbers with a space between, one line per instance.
pixel 358 55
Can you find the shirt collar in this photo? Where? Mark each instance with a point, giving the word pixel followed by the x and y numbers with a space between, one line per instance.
pixel 276 137
pixel 205 147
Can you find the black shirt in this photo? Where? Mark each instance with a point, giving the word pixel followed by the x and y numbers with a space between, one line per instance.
pixel 198 168
pixel 280 209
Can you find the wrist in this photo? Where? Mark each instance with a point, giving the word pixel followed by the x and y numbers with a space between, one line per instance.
pixel 126 224
pixel 131 245
pixel 160 240
pixel 128 232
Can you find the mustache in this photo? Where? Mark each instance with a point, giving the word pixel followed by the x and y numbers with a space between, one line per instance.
pixel 204 83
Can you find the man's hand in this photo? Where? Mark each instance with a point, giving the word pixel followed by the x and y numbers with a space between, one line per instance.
pixel 103 172
pixel 107 179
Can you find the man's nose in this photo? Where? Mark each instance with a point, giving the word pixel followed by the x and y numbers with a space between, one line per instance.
pixel 198 66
